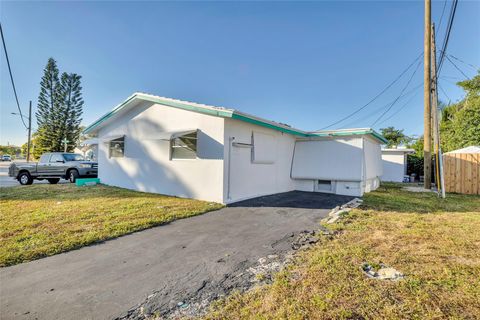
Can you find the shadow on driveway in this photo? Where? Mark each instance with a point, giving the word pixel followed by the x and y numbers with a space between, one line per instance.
pixel 295 199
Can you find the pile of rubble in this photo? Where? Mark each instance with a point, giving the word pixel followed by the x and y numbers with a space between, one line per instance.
pixel 382 273
pixel 339 211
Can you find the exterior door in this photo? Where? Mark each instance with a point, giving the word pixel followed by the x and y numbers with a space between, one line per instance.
pixel 44 164
pixel 56 164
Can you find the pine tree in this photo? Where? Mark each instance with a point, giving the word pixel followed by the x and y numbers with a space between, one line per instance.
pixel 71 108
pixel 49 103
pixel 59 110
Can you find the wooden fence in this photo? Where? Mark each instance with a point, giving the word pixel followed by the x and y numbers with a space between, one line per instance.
pixel 462 172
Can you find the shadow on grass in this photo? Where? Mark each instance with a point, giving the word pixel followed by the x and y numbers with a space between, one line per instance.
pixel 71 192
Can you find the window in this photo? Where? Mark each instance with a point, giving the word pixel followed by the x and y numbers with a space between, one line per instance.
pixel 73 157
pixel 44 158
pixel 324 185
pixel 184 147
pixel 56 158
pixel 117 148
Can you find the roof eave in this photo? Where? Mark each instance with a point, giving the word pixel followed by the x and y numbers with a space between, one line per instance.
pixel 348 132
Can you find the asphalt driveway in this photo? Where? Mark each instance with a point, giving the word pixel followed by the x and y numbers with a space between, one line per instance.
pixel 159 268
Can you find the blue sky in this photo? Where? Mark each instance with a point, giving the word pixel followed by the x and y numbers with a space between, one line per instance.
pixel 307 64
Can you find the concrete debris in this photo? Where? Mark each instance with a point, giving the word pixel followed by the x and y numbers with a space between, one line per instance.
pixel 263 272
pixel 304 240
pixel 417 189
pixel 382 273
pixel 342 210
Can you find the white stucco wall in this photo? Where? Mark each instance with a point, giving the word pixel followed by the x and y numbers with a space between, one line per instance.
pixel 249 179
pixel 352 164
pixel 394 166
pixel 373 159
pixel 328 159
pixel 147 165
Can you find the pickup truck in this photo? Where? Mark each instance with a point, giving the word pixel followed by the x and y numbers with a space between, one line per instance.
pixel 54 166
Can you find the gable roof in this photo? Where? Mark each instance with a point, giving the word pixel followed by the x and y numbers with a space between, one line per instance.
pixel 225 113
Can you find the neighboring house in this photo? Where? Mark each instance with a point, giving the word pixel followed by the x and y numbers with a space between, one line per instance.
pixel 185 149
pixel 395 164
pixel 88 149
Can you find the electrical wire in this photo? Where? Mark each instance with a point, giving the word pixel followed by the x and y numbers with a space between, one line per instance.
pixel 376 97
pixel 396 100
pixel 441 17
pixel 444 93
pixel 456 67
pixel 447 36
pixel 466 63
pixel 399 109
pixel 376 111
pixel 11 77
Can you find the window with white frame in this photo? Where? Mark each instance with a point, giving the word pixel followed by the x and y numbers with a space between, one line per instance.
pixel 184 147
pixel 117 148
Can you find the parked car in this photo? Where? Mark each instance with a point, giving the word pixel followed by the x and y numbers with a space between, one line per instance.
pixel 54 166
pixel 6 157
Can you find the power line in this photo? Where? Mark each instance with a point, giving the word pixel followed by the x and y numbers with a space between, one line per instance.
pixel 11 77
pixel 399 109
pixel 441 17
pixel 374 98
pixel 443 91
pixel 450 81
pixel 466 63
pixel 447 35
pixel 395 101
pixel 376 111
pixel 456 67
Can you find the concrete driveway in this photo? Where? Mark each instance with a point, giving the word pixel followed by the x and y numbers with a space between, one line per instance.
pixel 160 268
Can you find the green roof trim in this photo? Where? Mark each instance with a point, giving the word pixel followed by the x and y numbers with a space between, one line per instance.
pixel 189 107
pixel 108 114
pixel 229 113
pixel 268 125
pixel 371 132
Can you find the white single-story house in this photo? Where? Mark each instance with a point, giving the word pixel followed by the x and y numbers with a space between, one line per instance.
pixel 395 164
pixel 162 145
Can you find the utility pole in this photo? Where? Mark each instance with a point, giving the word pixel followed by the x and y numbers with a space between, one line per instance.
pixel 427 125
pixel 29 141
pixel 435 109
pixel 439 178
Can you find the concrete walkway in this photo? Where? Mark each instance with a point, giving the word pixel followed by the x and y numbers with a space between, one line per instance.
pixel 104 281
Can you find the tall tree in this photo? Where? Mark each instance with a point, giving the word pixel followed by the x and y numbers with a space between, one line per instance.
pixel 49 104
pixel 394 136
pixel 460 124
pixel 71 108
pixel 60 107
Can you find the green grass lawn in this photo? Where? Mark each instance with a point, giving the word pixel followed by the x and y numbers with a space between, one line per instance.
pixel 42 220
pixel 434 242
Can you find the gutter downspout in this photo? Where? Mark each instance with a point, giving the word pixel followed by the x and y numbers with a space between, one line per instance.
pixel 364 168
pixel 293 157
pixel 230 142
